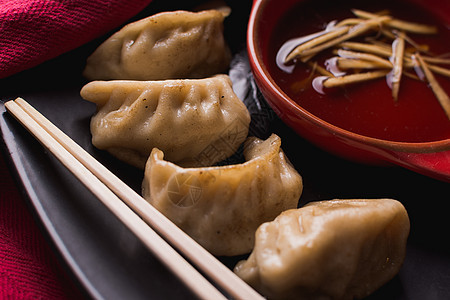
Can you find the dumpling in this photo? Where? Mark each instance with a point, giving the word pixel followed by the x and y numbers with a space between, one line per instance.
pixel 221 207
pixel 196 122
pixel 339 249
pixel 168 45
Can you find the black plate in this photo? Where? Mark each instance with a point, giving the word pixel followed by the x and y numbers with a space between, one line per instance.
pixel 108 261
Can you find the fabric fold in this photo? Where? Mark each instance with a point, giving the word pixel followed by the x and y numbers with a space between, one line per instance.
pixel 34 31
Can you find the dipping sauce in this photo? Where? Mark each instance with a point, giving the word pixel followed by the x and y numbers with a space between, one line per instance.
pixel 366 108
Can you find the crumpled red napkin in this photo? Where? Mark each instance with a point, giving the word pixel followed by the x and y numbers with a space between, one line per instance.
pixel 34 31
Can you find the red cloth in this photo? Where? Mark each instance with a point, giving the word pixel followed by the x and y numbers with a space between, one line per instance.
pixel 33 31
pixel 28 267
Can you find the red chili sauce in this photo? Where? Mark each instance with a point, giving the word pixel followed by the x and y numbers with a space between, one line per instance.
pixel 366 108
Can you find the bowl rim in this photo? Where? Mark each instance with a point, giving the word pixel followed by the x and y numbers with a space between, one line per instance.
pixel 259 70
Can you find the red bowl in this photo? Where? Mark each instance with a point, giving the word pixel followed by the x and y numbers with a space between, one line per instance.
pixel 428 158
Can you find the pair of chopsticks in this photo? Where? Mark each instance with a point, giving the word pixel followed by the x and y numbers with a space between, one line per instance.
pixel 145 221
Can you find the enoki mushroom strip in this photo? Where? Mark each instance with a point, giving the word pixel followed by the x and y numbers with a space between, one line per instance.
pixel 332 82
pixel 440 94
pixel 398 49
pixel 399 24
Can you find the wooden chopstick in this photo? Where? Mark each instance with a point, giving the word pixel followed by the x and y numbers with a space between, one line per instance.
pixel 45 131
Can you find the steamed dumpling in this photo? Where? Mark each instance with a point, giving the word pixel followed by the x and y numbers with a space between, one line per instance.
pixel 196 122
pixel 168 45
pixel 221 207
pixel 339 249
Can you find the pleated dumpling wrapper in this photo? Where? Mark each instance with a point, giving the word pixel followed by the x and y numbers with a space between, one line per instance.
pixel 337 249
pixel 221 207
pixel 167 45
pixel 196 122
